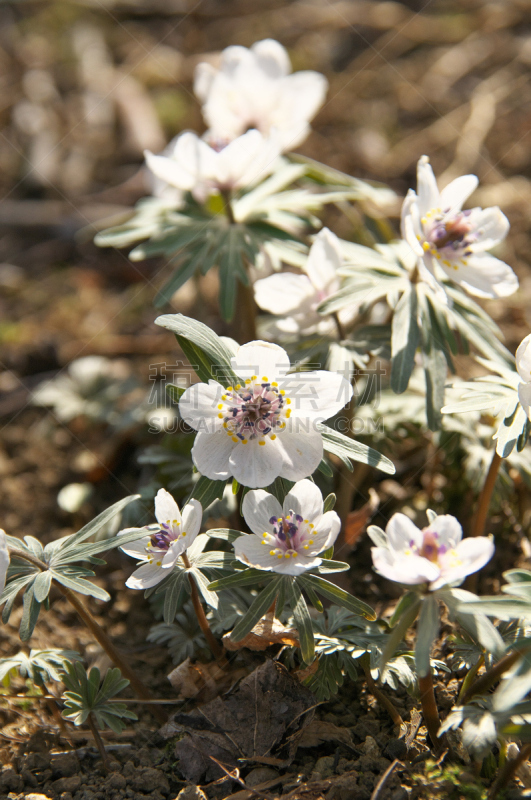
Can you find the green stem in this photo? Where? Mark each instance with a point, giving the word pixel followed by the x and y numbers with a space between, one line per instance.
pixel 469 677
pixel 215 648
pixel 99 634
pixel 339 325
pixel 430 712
pixel 493 675
pixel 379 695
pixel 99 744
pixel 225 194
pixel 485 496
pixel 508 771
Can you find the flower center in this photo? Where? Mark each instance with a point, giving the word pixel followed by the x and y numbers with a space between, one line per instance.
pixel 291 534
pixel 447 236
pixel 163 539
pixel 430 548
pixel 254 411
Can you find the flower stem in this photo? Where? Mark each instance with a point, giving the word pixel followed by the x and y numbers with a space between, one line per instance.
pixel 215 648
pixel 469 677
pixel 99 744
pixel 99 634
pixel 378 695
pixel 485 496
pixel 228 206
pixel 493 675
pixel 340 329
pixel 246 314
pixel 429 711
pixel 508 771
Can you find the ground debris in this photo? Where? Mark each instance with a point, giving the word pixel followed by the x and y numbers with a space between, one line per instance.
pixel 260 719
pixel 266 632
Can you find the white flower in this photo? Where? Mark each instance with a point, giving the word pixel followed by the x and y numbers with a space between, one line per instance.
pixel 436 555
pixel 4 560
pixel 286 538
pixel 196 166
pixel 254 89
pixel 161 545
pixel 446 238
pixel 523 367
pixel 265 426
pixel 298 295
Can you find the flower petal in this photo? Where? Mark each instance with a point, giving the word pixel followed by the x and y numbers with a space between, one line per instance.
pixel 198 406
pixel 483 275
pixel 258 508
pixel 4 559
pixel 410 570
pixel 284 293
pixel 145 576
pixel 211 453
pixel 301 453
pixel 250 550
pixel 316 395
pixel 454 195
pixel 490 226
pixel 326 532
pixel 427 191
pixel 263 359
pixel 272 58
pixel 254 464
pixel 192 519
pixel 470 555
pixel 304 498
pixel 324 260
pixel 449 531
pixel 401 532
pixel 136 549
pixel 523 359
pixel 166 509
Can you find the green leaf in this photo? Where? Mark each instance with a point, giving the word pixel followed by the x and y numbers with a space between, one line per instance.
pixel 226 534
pixel 475 623
pixel 329 503
pixel 435 372
pixel 202 582
pixel 327 565
pixel 427 631
pixel 515 688
pixel 175 592
pixel 214 355
pixel 207 491
pixel 41 585
pixel 341 445
pixel 30 614
pixel 404 340
pixel 325 469
pixel 399 630
pixel 257 609
pixel 80 585
pixel 303 623
pixel 92 527
pixel 406 601
pixel 174 392
pixel 246 577
pixel 337 595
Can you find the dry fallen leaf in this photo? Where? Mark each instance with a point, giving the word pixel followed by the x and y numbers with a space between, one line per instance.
pixel 202 681
pixel 357 520
pixel 260 718
pixel 319 731
pixel 266 632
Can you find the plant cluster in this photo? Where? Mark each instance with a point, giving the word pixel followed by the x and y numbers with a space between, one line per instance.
pixel 270 422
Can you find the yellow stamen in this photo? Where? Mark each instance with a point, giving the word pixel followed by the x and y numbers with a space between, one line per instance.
pixel 262 442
